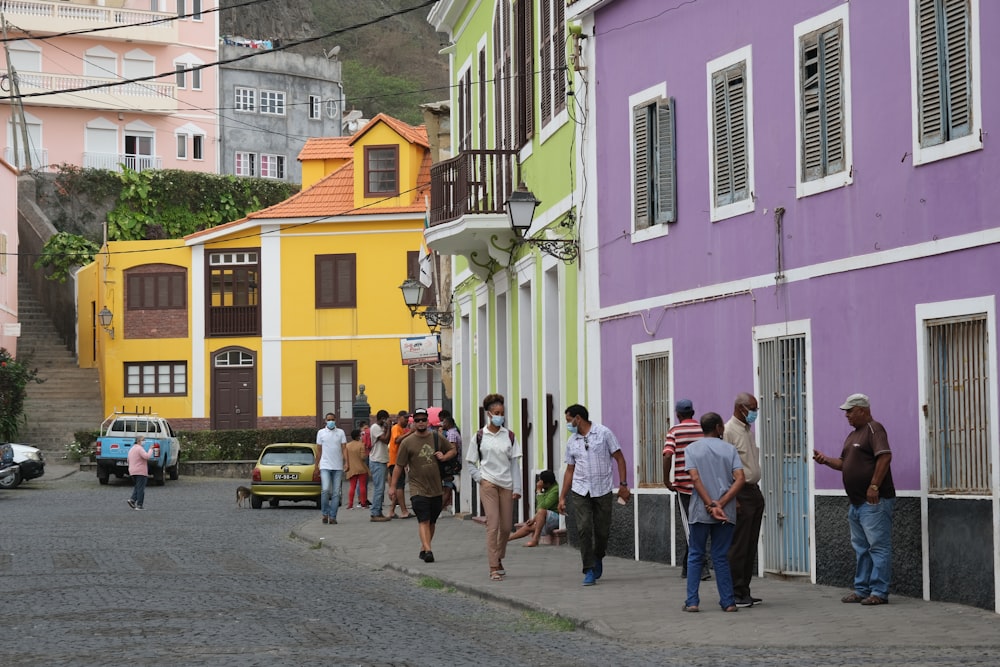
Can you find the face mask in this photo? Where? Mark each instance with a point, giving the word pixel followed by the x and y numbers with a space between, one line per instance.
pixel 331 425
pixel 571 427
pixel 751 416
pixel 496 420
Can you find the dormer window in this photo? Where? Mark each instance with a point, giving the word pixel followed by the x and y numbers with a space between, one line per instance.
pixel 381 171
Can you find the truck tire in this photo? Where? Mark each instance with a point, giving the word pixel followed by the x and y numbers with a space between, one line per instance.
pixel 102 475
pixel 256 502
pixel 172 472
pixel 11 482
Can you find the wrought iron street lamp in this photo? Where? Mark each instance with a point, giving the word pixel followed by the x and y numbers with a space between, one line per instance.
pixel 413 296
pixel 521 207
pixel 105 317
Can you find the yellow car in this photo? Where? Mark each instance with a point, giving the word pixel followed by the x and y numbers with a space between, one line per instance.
pixel 286 471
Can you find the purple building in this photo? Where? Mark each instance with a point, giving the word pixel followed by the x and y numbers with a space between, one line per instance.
pixel 793 199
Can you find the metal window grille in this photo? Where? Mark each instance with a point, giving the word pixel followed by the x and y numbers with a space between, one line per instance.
pixel 958 381
pixel 782 436
pixel 652 417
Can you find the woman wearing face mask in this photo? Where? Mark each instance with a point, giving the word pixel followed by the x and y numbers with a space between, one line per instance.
pixel 494 462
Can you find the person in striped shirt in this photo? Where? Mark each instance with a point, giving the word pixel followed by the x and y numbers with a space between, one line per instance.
pixel 686 431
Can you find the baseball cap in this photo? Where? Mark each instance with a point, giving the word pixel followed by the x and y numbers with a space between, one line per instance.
pixel 684 405
pixel 856 401
pixel 420 411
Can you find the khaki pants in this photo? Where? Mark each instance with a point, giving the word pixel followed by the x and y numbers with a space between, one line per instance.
pixel 498 503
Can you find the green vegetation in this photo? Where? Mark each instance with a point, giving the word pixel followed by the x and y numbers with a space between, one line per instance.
pixel 431 582
pixel 232 445
pixel 154 204
pixel 540 621
pixel 14 378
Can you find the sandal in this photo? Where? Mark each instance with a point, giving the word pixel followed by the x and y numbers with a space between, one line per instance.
pixel 691 608
pixel 853 597
pixel 874 600
pixel 731 608
pixel 495 575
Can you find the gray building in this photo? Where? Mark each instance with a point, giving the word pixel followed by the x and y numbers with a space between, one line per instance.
pixel 270 104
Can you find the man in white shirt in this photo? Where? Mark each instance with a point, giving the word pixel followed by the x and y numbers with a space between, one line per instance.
pixel 378 462
pixel 333 454
pixel 588 480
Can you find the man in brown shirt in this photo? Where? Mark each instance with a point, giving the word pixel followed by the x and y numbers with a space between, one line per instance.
pixel 864 463
pixel 420 451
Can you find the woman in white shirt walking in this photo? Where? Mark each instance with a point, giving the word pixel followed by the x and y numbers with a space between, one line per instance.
pixel 494 459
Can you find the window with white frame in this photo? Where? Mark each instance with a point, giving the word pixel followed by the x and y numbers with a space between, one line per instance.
pixel 180 70
pixel 730 135
pixel 272 102
pixel 654 163
pixel 196 79
pixel 198 146
pixel 25 56
pixel 946 78
pixel 246 163
pixel 315 107
pixel 161 378
pixel 822 104
pixel 181 8
pixel 246 100
pixel 652 415
pixel 196 9
pixel 182 146
pixel 100 62
pixel 272 166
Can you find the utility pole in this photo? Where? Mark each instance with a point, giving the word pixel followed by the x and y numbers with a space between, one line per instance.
pixel 16 106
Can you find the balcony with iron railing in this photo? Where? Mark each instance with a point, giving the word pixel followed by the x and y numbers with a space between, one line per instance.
pixel 467 209
pixel 116 161
pixel 38 17
pixel 154 97
pixel 233 321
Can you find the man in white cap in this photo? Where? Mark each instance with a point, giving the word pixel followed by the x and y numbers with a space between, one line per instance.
pixel 864 463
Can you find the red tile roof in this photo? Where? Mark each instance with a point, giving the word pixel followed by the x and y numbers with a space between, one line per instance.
pixel 327 148
pixel 415 135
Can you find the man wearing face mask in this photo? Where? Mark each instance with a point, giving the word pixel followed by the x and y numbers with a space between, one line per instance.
pixel 333 454
pixel 750 501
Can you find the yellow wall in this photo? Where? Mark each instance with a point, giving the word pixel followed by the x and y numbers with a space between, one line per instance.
pixel 314 170
pixel 410 157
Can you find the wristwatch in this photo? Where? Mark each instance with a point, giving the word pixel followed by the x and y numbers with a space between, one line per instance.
pixel 874 486
pixel 623 484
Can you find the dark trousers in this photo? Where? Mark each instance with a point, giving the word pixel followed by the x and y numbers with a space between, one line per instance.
pixel 593 525
pixel 743 552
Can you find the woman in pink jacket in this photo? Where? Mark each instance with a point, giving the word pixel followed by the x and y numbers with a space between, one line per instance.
pixel 137 469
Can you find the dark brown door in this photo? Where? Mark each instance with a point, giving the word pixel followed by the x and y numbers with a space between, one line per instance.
pixel 234 392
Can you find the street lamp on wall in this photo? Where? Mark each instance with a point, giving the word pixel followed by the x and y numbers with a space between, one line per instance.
pixel 105 317
pixel 413 296
pixel 521 207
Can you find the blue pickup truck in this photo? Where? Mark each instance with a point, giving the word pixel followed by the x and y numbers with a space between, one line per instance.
pixel 119 432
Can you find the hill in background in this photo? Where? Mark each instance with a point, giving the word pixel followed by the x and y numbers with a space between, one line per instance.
pixel 391 66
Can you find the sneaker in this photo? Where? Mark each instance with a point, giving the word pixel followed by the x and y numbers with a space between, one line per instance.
pixel 428 556
pixel 137 507
pixel 598 568
pixel 423 554
pixel 706 575
pixel 379 518
pixel 756 600
pixel 326 519
pixel 131 503
pixel 332 521
pixel 744 602
pixel 588 578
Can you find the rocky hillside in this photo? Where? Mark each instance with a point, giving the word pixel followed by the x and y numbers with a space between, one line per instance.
pixel 391 66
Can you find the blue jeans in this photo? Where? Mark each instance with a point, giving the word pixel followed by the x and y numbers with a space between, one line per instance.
pixel 722 538
pixel 378 471
pixel 871 537
pixel 139 489
pixel 333 484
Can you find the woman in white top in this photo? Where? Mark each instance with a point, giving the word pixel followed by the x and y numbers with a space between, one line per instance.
pixel 494 459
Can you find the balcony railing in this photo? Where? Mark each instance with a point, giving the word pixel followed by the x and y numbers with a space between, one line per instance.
pixel 38 15
pixel 114 161
pixel 39 158
pixel 473 182
pixel 233 321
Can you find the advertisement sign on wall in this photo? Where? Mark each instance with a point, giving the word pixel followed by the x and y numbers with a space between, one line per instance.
pixel 420 350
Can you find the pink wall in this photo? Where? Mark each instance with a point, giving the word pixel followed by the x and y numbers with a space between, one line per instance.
pixel 8 262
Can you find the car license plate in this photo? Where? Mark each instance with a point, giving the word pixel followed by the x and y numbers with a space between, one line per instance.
pixel 287 475
pixel 121 464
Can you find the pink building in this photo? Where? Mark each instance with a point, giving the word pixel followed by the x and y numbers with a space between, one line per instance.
pixel 73 59
pixel 9 328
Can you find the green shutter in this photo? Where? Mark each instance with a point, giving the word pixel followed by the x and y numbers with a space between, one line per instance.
pixel 640 130
pixel 666 163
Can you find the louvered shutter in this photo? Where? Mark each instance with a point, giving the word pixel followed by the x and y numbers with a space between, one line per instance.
pixel 722 169
pixel 666 162
pixel 833 99
pixel 931 100
pixel 547 74
pixel 559 56
pixel 812 132
pixel 640 130
pixel 344 277
pixel 737 94
pixel 957 51
pixel 525 73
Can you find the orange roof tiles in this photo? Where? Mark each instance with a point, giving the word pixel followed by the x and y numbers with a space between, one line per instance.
pixel 327 148
pixel 415 135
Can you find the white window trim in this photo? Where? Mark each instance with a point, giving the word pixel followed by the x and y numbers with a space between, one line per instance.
pixel 717 213
pixel 647 349
pixel 967 144
pixel 254 160
pixel 277 157
pixel 203 140
pixel 318 107
pixel 278 93
pixel 846 177
pixel 255 103
pixel 177 141
pixel 647 96
pixel 554 125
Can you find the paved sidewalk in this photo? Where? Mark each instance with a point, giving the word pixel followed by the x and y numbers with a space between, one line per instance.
pixel 641 601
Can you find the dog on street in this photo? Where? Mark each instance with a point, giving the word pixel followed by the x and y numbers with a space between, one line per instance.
pixel 242 493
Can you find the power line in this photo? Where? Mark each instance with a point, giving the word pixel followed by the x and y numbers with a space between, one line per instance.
pixel 253 54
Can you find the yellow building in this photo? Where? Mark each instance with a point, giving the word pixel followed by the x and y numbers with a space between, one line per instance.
pixel 275 319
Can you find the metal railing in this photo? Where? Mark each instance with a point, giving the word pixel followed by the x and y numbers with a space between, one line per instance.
pixel 39 158
pixel 473 182
pixel 233 321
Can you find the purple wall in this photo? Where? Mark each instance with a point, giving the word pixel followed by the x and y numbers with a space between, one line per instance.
pixel 863 330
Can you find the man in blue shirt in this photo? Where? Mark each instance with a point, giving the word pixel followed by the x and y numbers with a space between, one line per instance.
pixel 717 475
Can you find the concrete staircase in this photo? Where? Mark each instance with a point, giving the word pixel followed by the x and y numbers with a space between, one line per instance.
pixel 70 398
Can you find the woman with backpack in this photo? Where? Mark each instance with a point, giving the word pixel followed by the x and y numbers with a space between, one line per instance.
pixel 494 460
